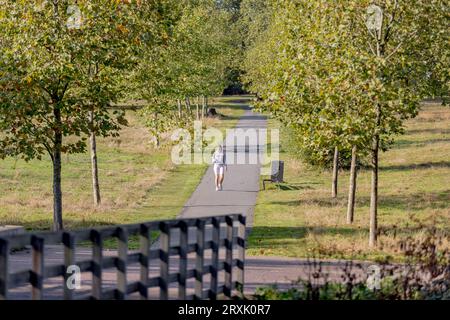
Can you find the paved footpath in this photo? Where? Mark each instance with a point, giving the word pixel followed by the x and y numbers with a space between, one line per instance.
pixel 241 185
pixel 239 195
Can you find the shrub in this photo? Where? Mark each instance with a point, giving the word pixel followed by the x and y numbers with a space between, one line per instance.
pixel 424 276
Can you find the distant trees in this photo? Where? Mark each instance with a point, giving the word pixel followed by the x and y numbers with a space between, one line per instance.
pixel 188 65
pixel 343 79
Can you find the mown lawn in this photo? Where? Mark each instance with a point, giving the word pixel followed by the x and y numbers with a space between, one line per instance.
pixel 301 220
pixel 138 182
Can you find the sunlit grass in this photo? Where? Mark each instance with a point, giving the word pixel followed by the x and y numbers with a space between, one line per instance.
pixel 301 220
pixel 138 182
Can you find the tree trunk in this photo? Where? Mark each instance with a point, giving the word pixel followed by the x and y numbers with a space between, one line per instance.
pixel 156 137
pixel 374 188
pixel 94 162
pixel 203 107
pixel 188 106
pixel 179 108
pixel 352 187
pixel 56 158
pixel 374 194
pixel 335 172
pixel 198 108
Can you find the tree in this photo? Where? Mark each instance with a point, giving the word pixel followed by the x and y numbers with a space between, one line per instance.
pixel 46 78
pixel 109 52
pixel 320 69
pixel 397 38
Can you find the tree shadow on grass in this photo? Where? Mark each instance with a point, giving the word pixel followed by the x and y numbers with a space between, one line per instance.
pixel 414 166
pixel 294 186
pixel 261 235
pixel 411 202
pixel 321 202
pixel 407 203
pixel 428 130
pixel 45 225
pixel 285 186
pixel 401 144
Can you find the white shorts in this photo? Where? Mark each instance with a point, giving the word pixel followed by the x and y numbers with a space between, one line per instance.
pixel 219 169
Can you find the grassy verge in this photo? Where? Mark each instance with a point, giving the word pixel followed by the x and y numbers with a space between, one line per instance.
pixel 301 220
pixel 138 182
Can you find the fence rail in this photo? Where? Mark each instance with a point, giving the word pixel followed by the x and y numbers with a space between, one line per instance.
pixel 232 240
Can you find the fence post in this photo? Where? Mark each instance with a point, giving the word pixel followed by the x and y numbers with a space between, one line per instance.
pixel 97 257
pixel 37 274
pixel 183 260
pixel 241 255
pixel 4 273
pixel 121 263
pixel 215 258
pixel 164 261
pixel 229 257
pixel 144 261
pixel 199 260
pixel 69 260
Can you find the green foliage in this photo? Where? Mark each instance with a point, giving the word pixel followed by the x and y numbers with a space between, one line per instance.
pixel 316 69
pixel 51 74
pixel 191 61
pixel 60 62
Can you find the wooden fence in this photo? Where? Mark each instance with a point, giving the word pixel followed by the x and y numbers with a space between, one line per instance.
pixel 226 232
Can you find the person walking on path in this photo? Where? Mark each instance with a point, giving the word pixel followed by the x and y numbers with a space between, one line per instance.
pixel 220 166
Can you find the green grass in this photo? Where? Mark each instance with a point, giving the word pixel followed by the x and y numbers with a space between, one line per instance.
pixel 138 182
pixel 301 220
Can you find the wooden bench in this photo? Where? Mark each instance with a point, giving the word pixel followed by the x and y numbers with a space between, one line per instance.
pixel 277 173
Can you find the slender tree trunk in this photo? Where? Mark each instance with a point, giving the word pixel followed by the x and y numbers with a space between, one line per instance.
pixel 374 188
pixel 374 194
pixel 179 108
pixel 188 106
pixel 334 190
pixel 203 107
pixel 198 108
pixel 157 142
pixel 57 164
pixel 373 232
pixel 94 162
pixel 352 187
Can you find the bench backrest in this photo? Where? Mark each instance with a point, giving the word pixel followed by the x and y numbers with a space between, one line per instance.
pixel 277 172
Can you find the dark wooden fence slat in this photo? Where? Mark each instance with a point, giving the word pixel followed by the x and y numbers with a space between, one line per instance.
pixel 229 257
pixel 215 258
pixel 97 257
pixel 164 260
pixel 184 233
pixel 199 259
pixel 241 255
pixel 144 261
pixel 53 271
pixel 98 263
pixel 69 261
pixel 17 279
pixel 4 269
pixel 37 275
pixel 121 263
